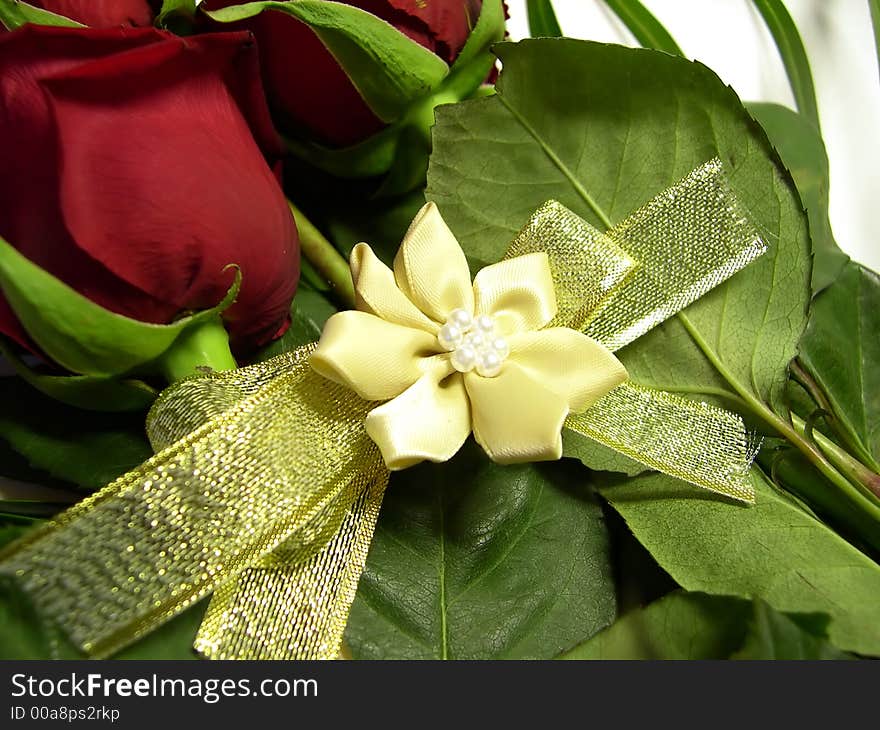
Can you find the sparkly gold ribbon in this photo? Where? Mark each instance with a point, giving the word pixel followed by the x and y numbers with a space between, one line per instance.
pixel 265 487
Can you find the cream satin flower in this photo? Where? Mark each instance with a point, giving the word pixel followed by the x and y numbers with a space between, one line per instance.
pixel 451 357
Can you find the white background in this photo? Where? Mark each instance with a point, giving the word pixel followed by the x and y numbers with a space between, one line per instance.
pixel 729 36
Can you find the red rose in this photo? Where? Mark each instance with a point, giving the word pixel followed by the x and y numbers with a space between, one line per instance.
pixel 307 89
pixel 100 13
pixel 137 165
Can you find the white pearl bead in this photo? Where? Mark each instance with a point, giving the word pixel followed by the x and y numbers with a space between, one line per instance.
pixel 489 364
pixel 475 340
pixel 499 344
pixel 461 318
pixel 484 323
pixel 464 358
pixel 450 337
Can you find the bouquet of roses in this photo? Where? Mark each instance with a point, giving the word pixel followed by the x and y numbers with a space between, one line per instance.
pixel 321 338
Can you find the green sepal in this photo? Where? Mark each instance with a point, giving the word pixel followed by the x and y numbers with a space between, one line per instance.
pixel 89 392
pixel 14 14
pixel 80 335
pixel 177 16
pixel 388 69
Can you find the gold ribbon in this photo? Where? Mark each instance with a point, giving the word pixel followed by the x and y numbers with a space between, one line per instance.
pixel 266 486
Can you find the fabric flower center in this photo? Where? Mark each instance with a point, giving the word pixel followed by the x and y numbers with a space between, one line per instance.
pixel 474 343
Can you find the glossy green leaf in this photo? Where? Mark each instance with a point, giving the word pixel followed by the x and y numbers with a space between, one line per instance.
pixel 542 19
pixel 794 56
pixel 388 69
pixel 87 449
pixel 603 129
pixel 473 560
pixel 773 635
pixel 85 391
pixel 773 551
pixel 14 13
pixel 679 626
pixel 802 150
pixel 644 26
pixel 840 351
pixel 80 335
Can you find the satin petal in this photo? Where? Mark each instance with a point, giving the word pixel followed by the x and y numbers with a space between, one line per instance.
pixel 517 292
pixel 516 419
pixel 376 292
pixel 377 359
pixel 428 422
pixel 431 269
pixel 569 363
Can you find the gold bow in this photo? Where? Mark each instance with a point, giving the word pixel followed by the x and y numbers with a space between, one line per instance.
pixel 266 483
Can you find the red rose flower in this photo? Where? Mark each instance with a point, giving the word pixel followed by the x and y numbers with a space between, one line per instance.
pixel 100 13
pixel 310 93
pixel 137 165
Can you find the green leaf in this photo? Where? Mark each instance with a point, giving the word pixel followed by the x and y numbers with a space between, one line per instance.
pixel 679 626
pixel 773 635
pixel 603 129
pixel 802 150
pixel 87 449
pixel 542 19
pixel 14 14
pixel 875 24
pixel 840 351
pixel 80 335
pixel 644 26
pixel 388 69
pixel 474 560
pixel 773 551
pixel 86 391
pixel 794 56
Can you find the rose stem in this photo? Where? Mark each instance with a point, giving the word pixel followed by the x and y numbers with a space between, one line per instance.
pixel 204 345
pixel 328 262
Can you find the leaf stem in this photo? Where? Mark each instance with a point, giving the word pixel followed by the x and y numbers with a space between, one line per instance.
pixel 860 476
pixel 782 427
pixel 328 262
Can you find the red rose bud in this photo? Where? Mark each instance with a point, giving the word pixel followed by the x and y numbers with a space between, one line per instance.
pixel 311 94
pixel 100 13
pixel 136 166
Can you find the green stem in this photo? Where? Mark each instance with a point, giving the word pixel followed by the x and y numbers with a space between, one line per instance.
pixel 782 427
pixel 205 345
pixel 328 262
pixel 840 428
pixel 857 473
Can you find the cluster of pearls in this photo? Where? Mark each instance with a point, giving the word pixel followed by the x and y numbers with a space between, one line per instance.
pixel 474 344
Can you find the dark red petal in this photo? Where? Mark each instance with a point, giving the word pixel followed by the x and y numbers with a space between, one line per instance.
pixel 30 217
pixel 101 13
pixel 308 91
pixel 164 184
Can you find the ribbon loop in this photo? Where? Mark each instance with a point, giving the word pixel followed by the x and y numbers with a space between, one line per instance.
pixel 276 466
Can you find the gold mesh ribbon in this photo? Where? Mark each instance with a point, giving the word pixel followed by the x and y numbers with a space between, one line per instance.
pixel 265 487
pixel 250 496
pixel 628 280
